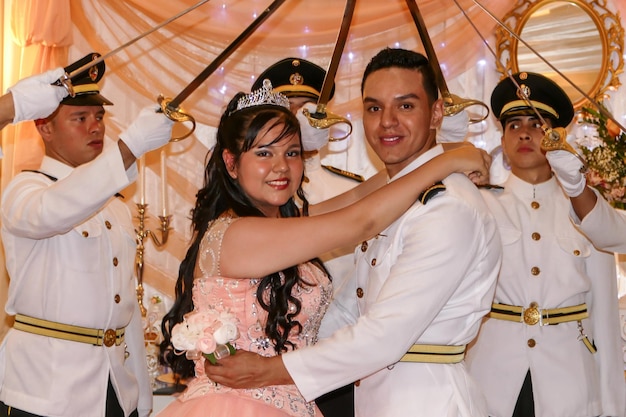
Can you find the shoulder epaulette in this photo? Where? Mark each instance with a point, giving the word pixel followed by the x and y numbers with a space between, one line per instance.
pixel 54 179
pixel 431 191
pixel 343 173
pixel 491 187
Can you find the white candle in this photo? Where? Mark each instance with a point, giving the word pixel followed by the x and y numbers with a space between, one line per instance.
pixel 142 180
pixel 163 184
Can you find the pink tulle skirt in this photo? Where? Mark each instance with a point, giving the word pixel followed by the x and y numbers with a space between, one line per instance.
pixel 224 404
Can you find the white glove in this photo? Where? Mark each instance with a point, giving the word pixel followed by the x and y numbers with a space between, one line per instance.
pixel 312 139
pixel 149 131
pixel 453 128
pixel 566 166
pixel 35 97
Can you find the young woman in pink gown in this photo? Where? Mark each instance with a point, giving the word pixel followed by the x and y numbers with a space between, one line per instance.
pixel 254 251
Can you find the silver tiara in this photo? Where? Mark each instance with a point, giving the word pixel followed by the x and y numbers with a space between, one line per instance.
pixel 264 95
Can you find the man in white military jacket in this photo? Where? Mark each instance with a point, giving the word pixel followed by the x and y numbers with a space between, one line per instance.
pixel 551 345
pixel 424 284
pixel 76 348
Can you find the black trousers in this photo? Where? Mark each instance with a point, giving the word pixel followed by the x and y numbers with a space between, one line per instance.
pixel 525 406
pixel 113 408
pixel 113 405
pixel 337 403
pixel 6 411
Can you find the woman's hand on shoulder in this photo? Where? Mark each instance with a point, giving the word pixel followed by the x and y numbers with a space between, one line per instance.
pixel 469 160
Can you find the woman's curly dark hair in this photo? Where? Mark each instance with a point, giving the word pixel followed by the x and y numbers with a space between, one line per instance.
pixel 237 133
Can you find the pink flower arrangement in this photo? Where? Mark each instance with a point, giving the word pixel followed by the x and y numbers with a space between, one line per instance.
pixel 207 333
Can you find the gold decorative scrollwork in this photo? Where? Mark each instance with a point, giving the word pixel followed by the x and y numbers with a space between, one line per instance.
pixel 597 31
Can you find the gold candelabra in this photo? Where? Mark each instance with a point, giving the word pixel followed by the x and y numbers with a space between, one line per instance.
pixel 142 233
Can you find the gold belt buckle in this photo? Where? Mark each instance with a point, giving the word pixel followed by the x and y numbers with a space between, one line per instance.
pixel 109 338
pixel 532 315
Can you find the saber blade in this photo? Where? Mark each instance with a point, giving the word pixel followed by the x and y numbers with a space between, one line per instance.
pixel 174 104
pixel 329 79
pixel 130 42
pixel 600 108
pixel 452 103
pixel 430 51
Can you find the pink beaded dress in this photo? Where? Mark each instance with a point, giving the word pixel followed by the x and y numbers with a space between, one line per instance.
pixel 211 290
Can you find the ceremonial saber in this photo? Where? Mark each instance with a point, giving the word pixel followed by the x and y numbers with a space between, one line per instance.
pixel 322 119
pixel 66 80
pixel 452 104
pixel 600 108
pixel 554 138
pixel 171 107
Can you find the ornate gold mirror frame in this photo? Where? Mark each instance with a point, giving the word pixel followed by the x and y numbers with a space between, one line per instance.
pixel 582 39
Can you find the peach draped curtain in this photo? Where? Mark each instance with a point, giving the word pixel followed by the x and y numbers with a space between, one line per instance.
pixel 42 33
pixel 50 33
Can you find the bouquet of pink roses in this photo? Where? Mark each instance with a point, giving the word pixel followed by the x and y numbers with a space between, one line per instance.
pixel 206 333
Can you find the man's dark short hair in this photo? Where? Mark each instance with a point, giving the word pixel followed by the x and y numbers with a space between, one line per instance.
pixel 402 58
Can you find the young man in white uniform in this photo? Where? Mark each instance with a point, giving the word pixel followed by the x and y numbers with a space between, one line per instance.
pixel 551 346
pixel 76 348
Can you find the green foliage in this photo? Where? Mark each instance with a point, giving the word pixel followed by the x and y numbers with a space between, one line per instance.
pixel 605 156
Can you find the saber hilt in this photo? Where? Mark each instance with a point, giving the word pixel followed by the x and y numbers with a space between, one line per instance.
pixel 177 115
pixel 555 139
pixel 452 104
pixel 323 119
pixel 66 81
